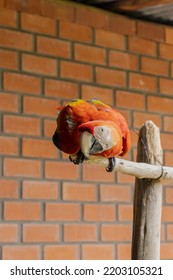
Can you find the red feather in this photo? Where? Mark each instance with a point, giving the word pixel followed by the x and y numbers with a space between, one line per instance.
pixel 80 112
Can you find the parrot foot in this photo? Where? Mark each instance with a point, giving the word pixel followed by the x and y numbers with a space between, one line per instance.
pixel 77 158
pixel 112 162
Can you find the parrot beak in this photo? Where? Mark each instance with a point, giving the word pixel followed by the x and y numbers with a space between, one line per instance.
pixel 86 141
pixel 89 144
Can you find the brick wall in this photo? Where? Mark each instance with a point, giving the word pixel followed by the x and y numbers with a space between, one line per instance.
pixel 50 53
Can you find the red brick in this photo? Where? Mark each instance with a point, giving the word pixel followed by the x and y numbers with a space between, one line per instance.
pixel 62 212
pixel 169 195
pixel 123 60
pixel 169 232
pixel 150 31
pixel 168 158
pixel 21 83
pixel 139 118
pixel 53 47
pixel 18 211
pixel 49 127
pixel 168 123
pixel 166 251
pixel 26 5
pixel 40 106
pixel 99 213
pixel 40 65
pixel 63 11
pixel 21 125
pixel 125 212
pixel 169 35
pixel 16 40
pixel 8 59
pixel 134 138
pixel 127 115
pixel 162 233
pixel 159 104
pixel 104 94
pixel 22 167
pixel 109 39
pixel 8 102
pixel 124 252
pixel 126 100
pixel 40 233
pixel 142 46
pixel 97 174
pixel 8 233
pixel 122 25
pixel 98 252
pixel 38 148
pixel 92 17
pixel 2 3
pixel 154 66
pixel 79 192
pixel 61 252
pixel 166 85
pixel 76 32
pixel 110 77
pixel 142 82
pixel 116 232
pixel 8 145
pixel 166 51
pixel 90 54
pixel 39 24
pixel 171 75
pixel 166 140
pixel 61 170
pixel 40 190
pixel 76 71
pixel 80 232
pixel 8 18
pixel 167 214
pixel 8 188
pixel 125 179
pixel 21 252
pixel 62 89
pixel 114 193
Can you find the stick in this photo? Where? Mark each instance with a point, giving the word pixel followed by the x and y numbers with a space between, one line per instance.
pixel 137 169
pixel 147 199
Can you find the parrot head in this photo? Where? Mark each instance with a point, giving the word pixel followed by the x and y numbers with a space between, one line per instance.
pixel 100 138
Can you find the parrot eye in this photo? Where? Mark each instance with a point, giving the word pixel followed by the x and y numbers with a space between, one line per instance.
pixel 102 129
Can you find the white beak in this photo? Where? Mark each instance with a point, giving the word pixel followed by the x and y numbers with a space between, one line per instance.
pixel 86 141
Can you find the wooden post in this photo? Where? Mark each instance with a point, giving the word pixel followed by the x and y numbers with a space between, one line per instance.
pixel 147 198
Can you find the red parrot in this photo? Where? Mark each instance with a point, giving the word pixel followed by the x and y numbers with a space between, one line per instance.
pixel 87 128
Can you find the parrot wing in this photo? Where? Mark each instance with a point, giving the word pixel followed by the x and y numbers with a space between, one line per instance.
pixel 69 118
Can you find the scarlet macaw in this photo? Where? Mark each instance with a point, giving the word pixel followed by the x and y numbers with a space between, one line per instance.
pixel 87 128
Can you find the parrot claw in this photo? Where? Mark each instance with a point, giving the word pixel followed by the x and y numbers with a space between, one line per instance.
pixel 77 158
pixel 112 161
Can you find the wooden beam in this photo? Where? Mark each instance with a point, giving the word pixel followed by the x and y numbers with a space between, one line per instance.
pixel 147 198
pixel 134 5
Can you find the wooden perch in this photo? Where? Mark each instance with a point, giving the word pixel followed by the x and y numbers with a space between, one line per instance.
pixel 138 169
pixel 147 199
pixel 149 172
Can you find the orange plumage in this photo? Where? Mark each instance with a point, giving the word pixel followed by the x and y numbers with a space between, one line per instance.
pixel 107 127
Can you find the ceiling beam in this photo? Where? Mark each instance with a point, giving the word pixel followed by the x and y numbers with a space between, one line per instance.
pixel 134 5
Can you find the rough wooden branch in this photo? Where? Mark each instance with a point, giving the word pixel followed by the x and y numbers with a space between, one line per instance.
pixel 137 169
pixel 147 199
